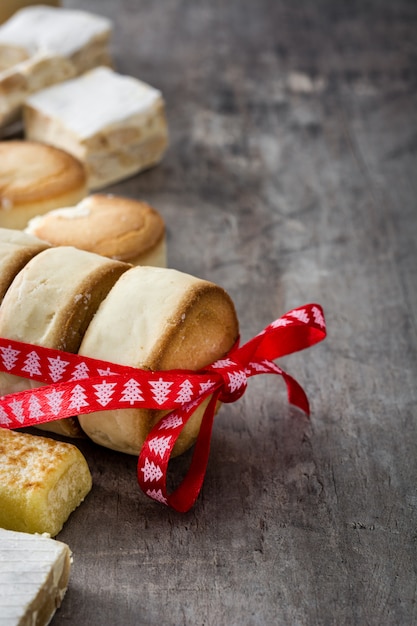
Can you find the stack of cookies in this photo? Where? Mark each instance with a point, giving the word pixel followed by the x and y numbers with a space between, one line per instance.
pixel 147 317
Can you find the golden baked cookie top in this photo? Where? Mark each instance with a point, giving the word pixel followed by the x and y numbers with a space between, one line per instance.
pixel 109 225
pixel 33 172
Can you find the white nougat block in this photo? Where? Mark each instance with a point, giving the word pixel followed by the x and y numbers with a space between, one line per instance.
pixel 34 574
pixel 44 45
pixel 114 124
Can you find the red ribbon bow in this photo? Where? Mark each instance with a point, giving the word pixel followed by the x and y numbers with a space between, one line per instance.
pixel 74 384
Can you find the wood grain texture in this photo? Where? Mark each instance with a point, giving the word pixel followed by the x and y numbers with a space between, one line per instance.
pixel 290 178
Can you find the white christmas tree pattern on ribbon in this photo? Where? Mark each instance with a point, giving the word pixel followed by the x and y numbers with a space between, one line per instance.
pixel 159 445
pixel 185 395
pixel 151 471
pixel 35 410
pixel 131 392
pixel 156 494
pixel 160 389
pixel 74 384
pixel 55 401
pixel 80 372
pixel 17 410
pixel 104 392
pixel 4 420
pixel 301 315
pixel 57 368
pixel 172 421
pixel 78 398
pixel 32 364
pixel 9 357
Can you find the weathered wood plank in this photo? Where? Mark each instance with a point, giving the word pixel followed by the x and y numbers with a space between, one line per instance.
pixel 284 189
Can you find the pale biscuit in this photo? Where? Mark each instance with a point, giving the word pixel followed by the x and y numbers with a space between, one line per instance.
pixel 113 226
pixel 156 319
pixel 50 303
pixel 16 249
pixel 34 179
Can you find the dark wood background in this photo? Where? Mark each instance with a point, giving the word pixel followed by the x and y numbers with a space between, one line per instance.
pixel 290 178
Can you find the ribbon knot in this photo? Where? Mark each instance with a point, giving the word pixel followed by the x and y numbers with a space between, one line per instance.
pixel 73 384
pixel 235 380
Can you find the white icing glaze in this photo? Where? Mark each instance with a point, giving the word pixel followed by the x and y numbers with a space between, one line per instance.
pixel 103 96
pixel 52 30
pixel 68 213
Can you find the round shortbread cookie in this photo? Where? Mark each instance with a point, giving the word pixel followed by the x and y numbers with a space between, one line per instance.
pixel 158 319
pixel 50 303
pixel 36 178
pixel 16 249
pixel 116 227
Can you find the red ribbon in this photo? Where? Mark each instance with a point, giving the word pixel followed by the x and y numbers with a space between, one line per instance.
pixel 73 384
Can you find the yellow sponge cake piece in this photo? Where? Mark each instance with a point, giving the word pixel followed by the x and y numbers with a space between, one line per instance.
pixel 41 482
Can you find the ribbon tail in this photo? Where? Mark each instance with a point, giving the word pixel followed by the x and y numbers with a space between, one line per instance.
pixel 184 497
pixel 156 451
pixel 296 394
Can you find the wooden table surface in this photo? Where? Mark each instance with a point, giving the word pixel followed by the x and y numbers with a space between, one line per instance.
pixel 290 178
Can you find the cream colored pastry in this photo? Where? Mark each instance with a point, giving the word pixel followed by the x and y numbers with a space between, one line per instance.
pixel 41 482
pixel 156 318
pixel 50 303
pixel 44 45
pixel 34 179
pixel 115 227
pixel 34 571
pixel 16 249
pixel 114 124
pixel 26 77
